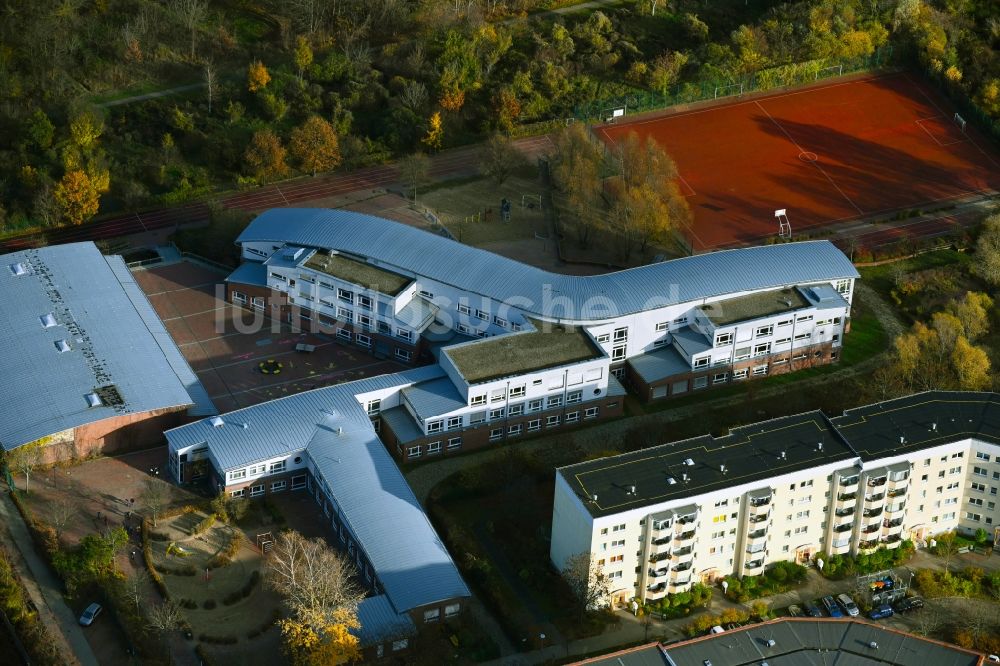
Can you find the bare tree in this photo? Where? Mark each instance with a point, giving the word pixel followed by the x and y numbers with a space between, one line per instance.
pixel 209 83
pixel 500 158
pixel 929 620
pixel 315 580
pixel 192 13
pixel 413 96
pixel 60 514
pixel 591 587
pixel 155 495
pixel 134 587
pixel 24 460
pixel 163 619
pixel 413 171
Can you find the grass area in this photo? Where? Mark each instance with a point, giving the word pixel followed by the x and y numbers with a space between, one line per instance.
pixel 883 278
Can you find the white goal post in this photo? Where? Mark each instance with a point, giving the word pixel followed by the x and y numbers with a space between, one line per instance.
pixel 729 90
pixel 832 70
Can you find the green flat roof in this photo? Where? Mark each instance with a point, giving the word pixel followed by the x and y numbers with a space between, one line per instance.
pixel 518 353
pixel 754 306
pixel 358 272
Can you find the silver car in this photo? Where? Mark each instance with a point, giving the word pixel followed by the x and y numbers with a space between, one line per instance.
pixel 89 615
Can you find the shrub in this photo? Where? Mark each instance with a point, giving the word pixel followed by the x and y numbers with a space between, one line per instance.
pixel 204 525
pixel 159 536
pixel 227 555
pixel 189 604
pixel 208 604
pixel 245 592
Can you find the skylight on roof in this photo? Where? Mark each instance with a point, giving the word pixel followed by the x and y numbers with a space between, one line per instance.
pixel 216 422
pixel 18 269
pixel 48 320
pixel 93 400
pixel 62 346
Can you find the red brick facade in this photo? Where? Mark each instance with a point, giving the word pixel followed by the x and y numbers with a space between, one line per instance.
pixel 115 435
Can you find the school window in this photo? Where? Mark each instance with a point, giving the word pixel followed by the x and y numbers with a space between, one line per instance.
pixel 454 442
pixel 618 353
pixel 552 421
pixel 238 493
pixel 803 336
pixel 278 486
pixel 454 422
pixel 574 396
pixel 762 349
pixel 515 410
pixel 239 297
pixel 804 318
pixel 257 302
pixel 363 340
pixel 496 413
pixel 345 295
pixel 279 277
pixel 621 334
pixel 844 286
pixel 432 615
pixel 403 354
pixel 723 339
pixel 740 374
pixel 760 370
pixel 534 424
pixel 534 405
pixel 277 467
pixel 590 413
pixel 741 353
pixel 514 430
pixel 572 417
pixel 365 321
pixel 414 451
pixel 700 382
pixel 434 426
pixel 299 482
pixel 482 314
pixel 515 327
pixel 662 326
pixel 384 328
pixel 344 314
pixel 517 391
pixel 782 341
pixel 404 334
pixel 604 337
pixel 555 401
pixel 500 322
pixel 426 294
pixel 462 328
pixel 701 362
pixel 464 309
pixel 785 322
pixel 763 331
pixel 257 491
pixel 237 474
pixel 433 447
pixel 478 400
pixel 680 321
pixel 720 378
pixel 344 334
pixel 496 434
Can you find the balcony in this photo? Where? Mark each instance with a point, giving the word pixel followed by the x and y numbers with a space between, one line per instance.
pixel 760 518
pixel 845 527
pixel 659 557
pixel 684 567
pixel 898 492
pixel 681 552
pixel 871 513
pixel 844 512
pixel 847 497
pixel 893 540
pixel 658 587
pixel 658 573
pixel 760 501
pixel 848 481
pixel 873 527
pixel 686 536
pixel 662 525
pixel 876 482
pixel 889 524
pixel 686 520
pixel 681 582
pixel 756 564
pixel 867 545
pixel 757 534
pixel 662 540
pixel 874 498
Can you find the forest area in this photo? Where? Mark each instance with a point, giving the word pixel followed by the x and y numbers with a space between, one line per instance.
pixel 273 88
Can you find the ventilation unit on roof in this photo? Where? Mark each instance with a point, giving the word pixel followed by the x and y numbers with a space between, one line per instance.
pixel 684 477
pixel 722 468
pixel 783 455
pixel 631 490
pixel 689 462
pixel 593 498
pixel 93 400
pixel 934 427
pixel 771 642
pixel 216 422
pixel 48 320
pixel 819 446
pixel 62 346
pixel 294 254
pixel 671 481
pixel 18 269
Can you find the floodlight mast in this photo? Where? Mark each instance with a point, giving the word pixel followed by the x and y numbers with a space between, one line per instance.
pixel 784 226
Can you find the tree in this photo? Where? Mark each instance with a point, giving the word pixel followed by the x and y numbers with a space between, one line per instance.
pixel 257 76
pixel 192 13
pixel 590 586
pixel 413 171
pixel 85 129
pixel 987 259
pixel 579 162
pixel 155 496
pixel 666 70
pixel 331 643
pixel 77 197
pixel 134 587
pixel 60 514
pixel 164 619
pixel 973 314
pixel 641 215
pixel 500 158
pixel 39 129
pixel 266 156
pixel 24 459
pixel 314 145
pixel 972 365
pixel 435 132
pixel 209 83
pixel 303 55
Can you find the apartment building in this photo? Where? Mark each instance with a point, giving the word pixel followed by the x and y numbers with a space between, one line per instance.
pixel 90 365
pixel 523 349
pixel 324 442
pixel 785 489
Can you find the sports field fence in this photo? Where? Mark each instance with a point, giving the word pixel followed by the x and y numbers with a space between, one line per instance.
pixel 792 74
pixel 968 111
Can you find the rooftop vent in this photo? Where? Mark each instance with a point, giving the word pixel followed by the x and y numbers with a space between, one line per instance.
pixel 671 481
pixel 902 440
pixel 61 346
pixel 934 427
pixel 631 490
pixel 18 269
pixel 294 253
pixel 819 446
pixel 873 645
pixel 93 400
pixel 593 498
pixel 771 642
pixel 722 468
pixel 784 454
pixel 689 462
pixel 48 320
pixel 217 422
pixel 787 302
pixel 684 477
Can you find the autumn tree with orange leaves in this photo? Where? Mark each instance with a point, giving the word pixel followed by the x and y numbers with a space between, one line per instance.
pixel 314 145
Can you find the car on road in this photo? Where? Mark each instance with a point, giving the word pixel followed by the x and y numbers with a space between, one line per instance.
pixel 848 605
pixel 90 614
pixel 909 604
pixel 813 610
pixel 795 611
pixel 880 612
pixel 831 607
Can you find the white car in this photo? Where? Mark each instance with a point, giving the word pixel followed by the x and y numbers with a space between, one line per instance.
pixel 89 615
pixel 717 630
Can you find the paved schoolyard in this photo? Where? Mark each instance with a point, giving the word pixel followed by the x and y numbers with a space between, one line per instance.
pixel 225 344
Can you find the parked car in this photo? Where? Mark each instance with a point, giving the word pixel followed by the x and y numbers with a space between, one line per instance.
pixel 908 604
pixel 813 610
pixel 716 630
pixel 89 615
pixel 831 607
pixel 848 605
pixel 795 611
pixel 880 612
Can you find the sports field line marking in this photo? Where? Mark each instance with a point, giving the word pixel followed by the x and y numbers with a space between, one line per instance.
pixel 920 123
pixel 687 185
pixel 815 164
pixel 693 112
pixel 942 112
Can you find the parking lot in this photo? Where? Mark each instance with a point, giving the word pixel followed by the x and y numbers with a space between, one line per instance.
pixel 225 345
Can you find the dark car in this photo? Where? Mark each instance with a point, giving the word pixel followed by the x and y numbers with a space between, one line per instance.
pixel 89 615
pixel 813 610
pixel 880 612
pixel 831 607
pixel 908 604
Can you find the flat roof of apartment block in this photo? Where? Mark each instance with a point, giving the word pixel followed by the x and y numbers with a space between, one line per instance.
pixel 793 641
pixel 902 426
pixel 520 353
pixel 358 272
pixel 755 306
pixel 679 470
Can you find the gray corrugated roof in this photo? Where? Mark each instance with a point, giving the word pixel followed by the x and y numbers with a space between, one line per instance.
pixel 416 252
pixel 115 338
pixel 402 424
pixel 692 342
pixel 378 506
pixel 380 622
pixel 659 364
pixel 434 398
pixel 249 272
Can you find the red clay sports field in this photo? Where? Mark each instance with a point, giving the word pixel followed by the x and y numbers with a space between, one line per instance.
pixel 828 154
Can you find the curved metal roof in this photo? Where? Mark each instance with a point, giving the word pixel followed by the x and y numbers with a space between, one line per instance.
pixel 551 295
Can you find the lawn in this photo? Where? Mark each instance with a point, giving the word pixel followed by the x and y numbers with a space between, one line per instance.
pixel 920 285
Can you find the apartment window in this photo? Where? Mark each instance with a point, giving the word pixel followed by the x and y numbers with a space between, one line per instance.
pixel 414 451
pixel 760 370
pixel 720 378
pixel 978 471
pixel 363 340
pixel 975 501
pixel 802 530
pixel 762 349
pixel 604 337
pixel 591 412
pixel 982 456
pixel 482 314
pixel 785 322
pixel 496 413
pixel 434 426
pixel 555 401
pixel 478 400
pixel 979 487
pixel 740 374
pixel 345 295
pixel 237 474
pixel 534 424
pixel 763 331
pixel 552 421
pixel 454 442
pixel 804 318
pixel 621 334
pixel 433 447
pixel 464 309
pixel 574 396
pixel 514 430
pixel 515 410
pixel 257 491
pixel 495 434
pixel 403 354
pixel 500 322
pixel 572 417
pixel 618 353
pixel 701 362
pixel 534 405
pixel 723 339
pixel 517 391
pixel 238 493
pixel 277 467
pixel 973 516
pixel 802 514
pixel 278 486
